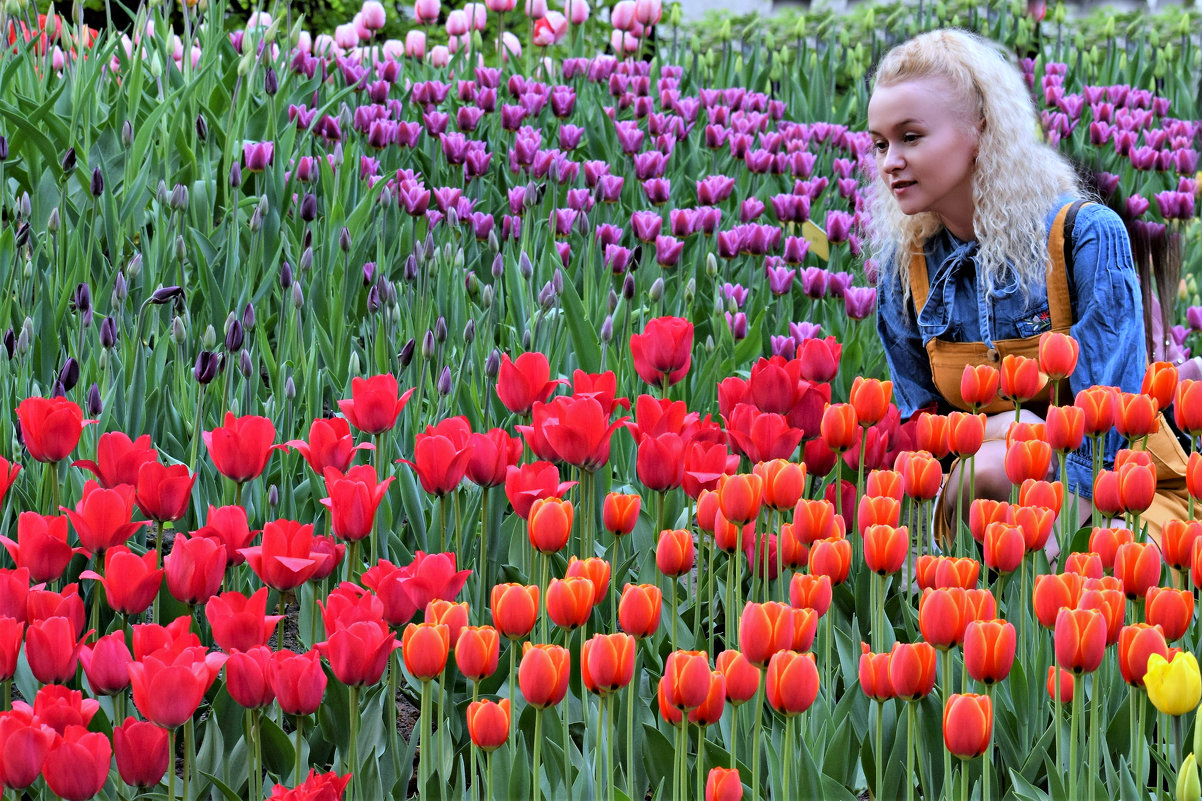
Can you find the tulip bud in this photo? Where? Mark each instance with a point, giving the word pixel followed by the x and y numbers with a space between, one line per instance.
pixel 628 287
pixel 298 297
pixel 23 341
pixel 440 329
pixel 208 340
pixel 469 332
pixel 428 345
pixel 235 175
pixel 52 223
pixel 94 405
pixel 179 197
pixel 344 239
pixel 68 162
pixel 166 294
pixel 271 82
pixel 3 148
pixel 248 317
pixel 96 186
pixel 179 333
pixel 525 268
pixel 492 364
pixel 206 367
pixel 486 297
pixel 1189 788
pixel 498 266
pixel 10 343
pixel 406 354
pixel 202 128
pixel 233 335
pixel 135 265
pixel 656 293
pixel 68 374
pixel 245 366
pixel 306 260
pixel 444 382
pixel 308 207
pixel 607 329
pixel 108 332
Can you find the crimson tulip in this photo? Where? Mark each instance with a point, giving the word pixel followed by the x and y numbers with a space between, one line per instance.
pixel 527 483
pixel 493 453
pixel 118 458
pixel 77 764
pixel 11 634
pixel 194 568
pixel 248 677
pixel 240 623
pixel 168 690
pixel 41 546
pixel 163 492
pixel 297 681
pixel 101 519
pixel 441 454
pixel 523 381
pixel 374 405
pixel 24 741
pixel 330 444
pixel 229 526
pixel 358 653
pixel 662 354
pixel 354 498
pixel 141 751
pixel 52 650
pixel 50 427
pixel 285 559
pixel 106 663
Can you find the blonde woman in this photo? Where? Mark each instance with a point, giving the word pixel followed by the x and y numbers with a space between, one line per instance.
pixel 984 244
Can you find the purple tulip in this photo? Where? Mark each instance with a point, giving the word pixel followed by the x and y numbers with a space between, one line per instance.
pixel 647 225
pixel 1185 160
pixel 593 170
pixel 801 163
pixel 570 136
pixel 608 234
pixel 682 222
pixel 414 199
pixel 780 280
pixel 257 156
pixel 784 347
pixel 468 117
pixel 564 219
pixel 617 258
pixel 580 199
pixel 650 165
pixel 735 292
pixel 708 218
pixel 1175 205
pixel 796 248
pixel 302 115
pixel 838 225
pixel 859 301
pixel 482 225
pixel 609 188
pixel 512 117
pixel 803 331
pixel 565 252
pixel 630 136
pixel 657 190
pixel 716 136
pixel 737 323
pixel 751 209
pixel 1193 316
pixel 815 281
pixel 1137 205
pixel 758 161
pixel 1124 142
pixel 511 227
pixel 714 189
pixel 563 101
pixel 407 133
pixel 1143 158
pixel 667 251
pixel 730 242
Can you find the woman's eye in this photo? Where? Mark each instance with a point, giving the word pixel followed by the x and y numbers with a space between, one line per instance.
pixel 910 137
pixel 880 147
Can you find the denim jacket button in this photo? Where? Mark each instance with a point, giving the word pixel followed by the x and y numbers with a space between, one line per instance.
pixel 992 355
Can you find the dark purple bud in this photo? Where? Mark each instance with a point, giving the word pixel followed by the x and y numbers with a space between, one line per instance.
pixel 308 207
pixel 108 332
pixel 373 299
pixel 410 271
pixel 58 391
pixel 444 382
pixel 498 266
pixel 546 296
pixel 440 329
pixel 68 374
pixel 628 287
pixel 285 275
pixel 344 239
pixel 607 329
pixel 202 128
pixel 97 185
pixel 120 288
pixel 369 272
pixel 611 302
pixel 10 342
pixel 94 405
pixel 428 345
pixel 22 234
pixel 307 239
pixel 271 82
pixel 81 298
pixel 245 365
pixel 235 175
pixel 3 148
pixel 179 197
pixel 68 162
pixel 234 336
pixel 492 364
pixel 248 317
pixel 166 294
pixel 406 354
pixel 469 332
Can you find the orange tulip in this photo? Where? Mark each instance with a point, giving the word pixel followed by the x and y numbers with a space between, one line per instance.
pixel 666 710
pixel 731 538
pixel 784 483
pixel 1100 406
pixel 989 650
pixel 1025 459
pixel 941 617
pixel 838 427
pixel 1021 379
pixel 1054 592
pixel 967 724
pixel 543 674
pixel 454 615
pixel 595 570
pixel 1177 539
pixel 870 397
pixel 874 674
pixel 687 678
pixel 740 496
pixel 810 592
pixel 912 670
pixel 885 548
pixel 1136 415
pixel 1080 638
pixel 607 662
pixel 488 723
pixel 791 682
pixel 815 520
pixel 1187 407
pixel 1137 565
pixel 1160 383
pixel 1036 524
pixel 710 710
pixel 1105 543
pixel 805 626
pixel 831 557
pixel 1045 494
pixel 1058 354
pixel 922 475
pixel 675 553
pixel 984 511
pixel 742 677
pixel 476 652
pixel 1193 475
pixel 979 384
pixel 931 434
pixel 1005 546
pixel 1137 486
pixel 947 571
pixel 620 513
pixel 723 784
pixel 1065 428
pixel 884 483
pixel 514 609
pixel 1172 610
pixel 965 433
pixel 1065 690
pixel 570 602
pixel 1112 606
pixel 1106 496
pixel 1087 565
pixel 794 552
pixel 639 609
pixel 877 511
pixel 765 629
pixel 1137 642
pixel 425 647
pixel 549 524
pixel 980 604
pixel 707 510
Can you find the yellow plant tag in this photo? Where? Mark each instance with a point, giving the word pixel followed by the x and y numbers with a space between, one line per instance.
pixel 817 239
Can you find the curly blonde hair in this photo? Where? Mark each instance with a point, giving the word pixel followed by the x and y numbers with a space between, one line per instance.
pixel 1016 180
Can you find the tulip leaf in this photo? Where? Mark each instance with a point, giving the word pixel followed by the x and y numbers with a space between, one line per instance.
pixel 1024 790
pixel 279 754
pixel 225 789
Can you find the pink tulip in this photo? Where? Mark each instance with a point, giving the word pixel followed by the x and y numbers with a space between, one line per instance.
pixel 477 15
pixel 536 9
pixel 345 36
pixel 457 23
pixel 426 11
pixel 623 41
pixel 500 6
pixel 648 12
pixel 374 16
pixel 304 42
pixel 549 30
pixel 415 44
pixel 578 11
pixel 440 56
pixel 510 45
pixel 622 15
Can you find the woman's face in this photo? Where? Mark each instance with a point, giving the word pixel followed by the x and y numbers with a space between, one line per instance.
pixel 925 140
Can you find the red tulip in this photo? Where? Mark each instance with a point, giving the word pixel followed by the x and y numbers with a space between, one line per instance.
pixel 164 491
pixel 1160 383
pixel 493 453
pixel 1112 606
pixel 1106 541
pixel 101 519
pixel 1177 539
pixel 931 434
pixel 543 674
pixel 912 670
pixel 50 427
pixel 488 723
pixel 51 649
pixel 1100 405
pixel 248 677
pixel 1086 565
pixel 791 682
pixel 831 557
pixel 527 483
pixel 1193 475
pixel 11 633
pixel 194 568
pixel 168 691
pixel 77 764
pixel 1136 415
pixel 476 652
pixel 514 609
pixel 723 784
pixel 967 724
pixel 297 681
pixel 353 501
pixel 44 604
pixel 1065 689
pixel 228 525
pixel 569 602
pixel 1044 494
pixel 874 674
pixel 1021 379
pixel 441 454
pixel 965 433
pixel 141 751
pixel 24 742
pixel 1054 592
pixel 1035 523
pixel 659 463
pixel 329 445
pixel 639 609
pixel 922 475
pixel 686 679
pixel 106 664
pixel 240 623
pixel 886 548
pixel 1187 407
pixel 59 707
pixel 358 653
pixel 742 678
pixel 285 559
pixel 1080 637
pixel 1065 428
pixel 815 520
pixel 704 465
pixel 839 426
pixel 241 446
pixel 989 650
pixel 374 405
pixel 118 459
pixel 41 546
pixel 523 381
pixel 662 354
pixel 607 662
pixel 404 590
pixel 1005 546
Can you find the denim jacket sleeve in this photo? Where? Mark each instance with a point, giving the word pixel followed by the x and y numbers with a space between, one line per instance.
pixel 909 365
pixel 1109 327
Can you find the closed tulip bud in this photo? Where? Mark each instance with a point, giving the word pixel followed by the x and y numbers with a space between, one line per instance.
pixel 1172 610
pixel 942 616
pixel 870 398
pixel 620 513
pixel 543 674
pixel 96 185
pixel 675 552
pixel 488 723
pixel 1174 686
pixel 885 548
pixel 831 557
pixel 810 592
pixel 476 652
pixel 549 524
pixel 1177 540
pixel 723 784
pixel 740 496
pixel 912 670
pixel 979 385
pixel 1057 355
pixel 1189 788
pixel 1136 644
pixel 1080 639
pixel 967 724
pixel 1160 383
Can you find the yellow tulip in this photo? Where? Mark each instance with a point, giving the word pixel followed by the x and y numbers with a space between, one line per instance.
pixel 1174 687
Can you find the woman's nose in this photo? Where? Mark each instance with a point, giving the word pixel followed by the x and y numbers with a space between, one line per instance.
pixel 892 160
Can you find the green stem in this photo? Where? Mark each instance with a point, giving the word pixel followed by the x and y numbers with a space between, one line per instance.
pixel 423 753
pixel 756 736
pixel 538 752
pixel 299 738
pixel 964 781
pixel 672 590
pixel 488 770
pixel 353 767
pixel 171 764
pixel 1095 726
pixel 630 695
pixel 911 716
pixel 1072 743
pixel 513 700
pixel 786 760
pixel 945 667
pixel 189 754
pixel 567 738
pixel 878 757
pixel 987 763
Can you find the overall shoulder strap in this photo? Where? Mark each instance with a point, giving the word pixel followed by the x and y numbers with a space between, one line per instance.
pixel 920 285
pixel 1060 265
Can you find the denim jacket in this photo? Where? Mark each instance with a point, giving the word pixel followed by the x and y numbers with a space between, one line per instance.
pixel 1107 310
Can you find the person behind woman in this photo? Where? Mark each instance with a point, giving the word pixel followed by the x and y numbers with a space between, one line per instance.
pixel 968 212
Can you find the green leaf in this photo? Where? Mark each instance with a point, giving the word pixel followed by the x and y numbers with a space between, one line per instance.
pixel 1024 790
pixel 585 341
